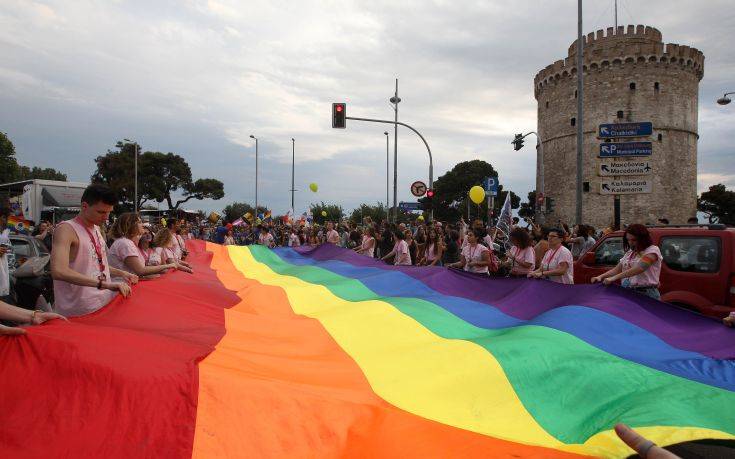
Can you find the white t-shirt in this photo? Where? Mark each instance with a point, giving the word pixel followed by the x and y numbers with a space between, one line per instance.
pixel 333 237
pixel 553 258
pixel 403 256
pixel 474 254
pixel 293 240
pixel 649 277
pixel 527 255
pixel 121 249
pixel 367 248
pixel 266 240
pixel 4 270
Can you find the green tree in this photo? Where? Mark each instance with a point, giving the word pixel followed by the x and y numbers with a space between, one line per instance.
pixel 528 208
pixel 48 173
pixel 451 192
pixel 376 213
pixel 334 212
pixel 718 204
pixel 160 177
pixel 238 209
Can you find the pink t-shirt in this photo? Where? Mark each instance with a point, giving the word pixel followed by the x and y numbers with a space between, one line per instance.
pixel 75 300
pixel 366 247
pixel 430 253
pixel 178 246
pixel 475 254
pixel 121 249
pixel 527 255
pixel 266 240
pixel 160 256
pixel 553 258
pixel 333 237
pixel 649 277
pixel 403 256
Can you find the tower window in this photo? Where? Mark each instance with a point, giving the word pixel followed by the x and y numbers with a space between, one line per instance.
pixel 575 93
pixel 620 114
pixel 656 86
pixel 632 86
pixel 574 121
pixel 586 187
pixel 547 104
pixel 660 137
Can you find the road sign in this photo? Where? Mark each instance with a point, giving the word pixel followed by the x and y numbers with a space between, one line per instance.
pixel 626 186
pixel 613 150
pixel 418 189
pixel 408 206
pixel 490 184
pixel 625 130
pixel 625 167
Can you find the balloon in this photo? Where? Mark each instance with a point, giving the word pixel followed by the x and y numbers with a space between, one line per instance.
pixel 313 187
pixel 324 213
pixel 421 218
pixel 477 194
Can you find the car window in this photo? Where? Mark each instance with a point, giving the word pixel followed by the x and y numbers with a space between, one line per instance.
pixel 40 247
pixel 609 252
pixel 691 254
pixel 21 247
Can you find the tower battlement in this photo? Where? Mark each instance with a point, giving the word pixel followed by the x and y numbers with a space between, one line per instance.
pixel 631 45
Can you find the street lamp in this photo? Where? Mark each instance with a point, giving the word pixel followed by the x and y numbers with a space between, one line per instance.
pixel 395 100
pixel 135 152
pixel 256 175
pixel 724 100
pixel 387 175
pixel 293 168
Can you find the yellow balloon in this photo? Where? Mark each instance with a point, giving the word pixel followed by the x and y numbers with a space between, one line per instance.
pixel 313 187
pixel 421 218
pixel 324 213
pixel 477 194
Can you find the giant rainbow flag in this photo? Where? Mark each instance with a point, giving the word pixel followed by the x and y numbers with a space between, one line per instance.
pixel 319 352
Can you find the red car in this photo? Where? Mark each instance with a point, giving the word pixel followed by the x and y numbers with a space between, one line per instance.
pixel 698 269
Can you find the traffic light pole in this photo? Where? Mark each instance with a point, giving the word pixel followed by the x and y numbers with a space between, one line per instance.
pixel 431 160
pixel 540 164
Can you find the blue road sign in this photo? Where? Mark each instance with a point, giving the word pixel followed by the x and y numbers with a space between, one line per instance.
pixel 490 184
pixel 409 206
pixel 615 150
pixel 625 130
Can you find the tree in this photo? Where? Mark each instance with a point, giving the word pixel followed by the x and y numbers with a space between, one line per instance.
pixel 238 209
pixel 334 212
pixel 528 209
pixel 451 192
pixel 160 176
pixel 376 213
pixel 718 204
pixel 11 171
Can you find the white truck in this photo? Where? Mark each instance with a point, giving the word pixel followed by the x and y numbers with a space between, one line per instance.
pixel 36 200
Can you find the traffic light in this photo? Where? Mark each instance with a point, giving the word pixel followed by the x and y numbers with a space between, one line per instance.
pixel 517 142
pixel 339 115
pixel 549 204
pixel 429 199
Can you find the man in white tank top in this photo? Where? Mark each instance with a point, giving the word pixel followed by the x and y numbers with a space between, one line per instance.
pixel 82 275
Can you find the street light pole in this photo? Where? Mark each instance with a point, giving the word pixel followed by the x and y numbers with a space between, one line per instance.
pixel 293 169
pixel 135 173
pixel 256 175
pixel 387 175
pixel 395 100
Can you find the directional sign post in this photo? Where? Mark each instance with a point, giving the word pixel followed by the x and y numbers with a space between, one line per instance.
pixel 418 189
pixel 614 150
pixel 607 131
pixel 409 206
pixel 490 184
pixel 626 186
pixel 625 167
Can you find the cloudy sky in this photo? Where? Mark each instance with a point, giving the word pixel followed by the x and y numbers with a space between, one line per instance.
pixel 198 77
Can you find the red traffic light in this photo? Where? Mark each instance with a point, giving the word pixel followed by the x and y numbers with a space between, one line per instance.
pixel 339 115
pixel 430 194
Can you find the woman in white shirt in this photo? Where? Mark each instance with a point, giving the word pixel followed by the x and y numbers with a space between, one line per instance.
pixel 522 256
pixel 293 238
pixel 124 253
pixel 400 250
pixel 368 243
pixel 229 239
pixel 434 248
pixel 557 265
pixel 475 257
pixel 164 253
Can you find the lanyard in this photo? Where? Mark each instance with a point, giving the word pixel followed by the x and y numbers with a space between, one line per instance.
pixel 97 249
pixel 472 252
pixel 551 258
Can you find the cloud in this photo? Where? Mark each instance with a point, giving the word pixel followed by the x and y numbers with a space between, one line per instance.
pixel 199 77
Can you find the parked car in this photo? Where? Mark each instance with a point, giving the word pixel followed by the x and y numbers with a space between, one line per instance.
pixel 698 269
pixel 27 289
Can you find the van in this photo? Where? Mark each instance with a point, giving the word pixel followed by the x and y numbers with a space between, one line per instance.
pixel 698 268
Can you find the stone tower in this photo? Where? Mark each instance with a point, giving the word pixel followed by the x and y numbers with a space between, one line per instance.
pixel 629 76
